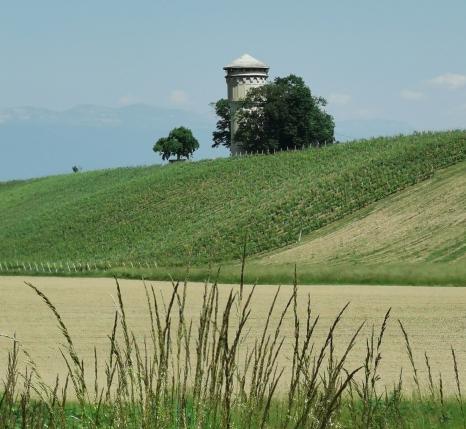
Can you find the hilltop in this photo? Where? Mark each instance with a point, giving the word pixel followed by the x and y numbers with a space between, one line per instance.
pixel 202 212
pixel 96 137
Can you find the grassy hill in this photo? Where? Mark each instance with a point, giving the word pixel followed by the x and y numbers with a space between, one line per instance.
pixel 422 224
pixel 201 212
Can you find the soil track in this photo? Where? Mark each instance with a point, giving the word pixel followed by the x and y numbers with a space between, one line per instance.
pixel 435 319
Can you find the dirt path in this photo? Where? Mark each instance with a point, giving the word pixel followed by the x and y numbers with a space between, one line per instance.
pixel 434 317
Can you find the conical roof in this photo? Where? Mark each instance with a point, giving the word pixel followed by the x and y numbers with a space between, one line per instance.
pixel 246 61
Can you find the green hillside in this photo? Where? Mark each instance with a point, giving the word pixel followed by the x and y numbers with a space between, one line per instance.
pixel 201 212
pixel 425 223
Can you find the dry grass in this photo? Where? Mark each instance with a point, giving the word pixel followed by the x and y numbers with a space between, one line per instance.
pixel 433 318
pixel 424 223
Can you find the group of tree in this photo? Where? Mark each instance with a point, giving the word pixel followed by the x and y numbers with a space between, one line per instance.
pixel 279 115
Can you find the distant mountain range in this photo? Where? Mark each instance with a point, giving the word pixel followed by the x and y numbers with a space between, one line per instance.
pixel 37 142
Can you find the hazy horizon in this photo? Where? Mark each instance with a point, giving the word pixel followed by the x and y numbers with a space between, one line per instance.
pixel 385 68
pixel 41 142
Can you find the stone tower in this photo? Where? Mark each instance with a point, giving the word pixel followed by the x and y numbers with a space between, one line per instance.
pixel 242 74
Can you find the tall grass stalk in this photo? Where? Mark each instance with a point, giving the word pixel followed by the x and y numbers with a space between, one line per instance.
pixel 202 373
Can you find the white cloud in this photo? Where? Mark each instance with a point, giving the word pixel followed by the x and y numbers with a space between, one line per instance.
pixel 449 80
pixel 127 100
pixel 178 97
pixel 338 99
pixel 410 95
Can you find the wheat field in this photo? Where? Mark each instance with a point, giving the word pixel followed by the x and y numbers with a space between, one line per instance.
pixel 434 318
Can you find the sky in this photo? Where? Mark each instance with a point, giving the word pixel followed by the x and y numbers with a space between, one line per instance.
pixel 385 60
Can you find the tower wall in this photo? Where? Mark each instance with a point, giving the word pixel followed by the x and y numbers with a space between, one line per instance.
pixel 238 87
pixel 239 81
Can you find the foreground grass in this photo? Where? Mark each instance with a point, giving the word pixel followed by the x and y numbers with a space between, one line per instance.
pixel 201 375
pixel 193 213
pixel 393 414
pixel 410 274
pixel 422 274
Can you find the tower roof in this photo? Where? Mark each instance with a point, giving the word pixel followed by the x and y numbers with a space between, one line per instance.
pixel 246 61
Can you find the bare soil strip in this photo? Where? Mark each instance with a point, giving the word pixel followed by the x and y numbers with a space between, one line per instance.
pixel 435 319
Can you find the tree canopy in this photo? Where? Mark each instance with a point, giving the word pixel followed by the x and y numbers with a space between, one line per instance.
pixel 180 143
pixel 222 135
pixel 276 116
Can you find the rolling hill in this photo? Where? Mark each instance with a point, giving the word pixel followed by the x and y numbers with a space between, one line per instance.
pixel 424 223
pixel 202 212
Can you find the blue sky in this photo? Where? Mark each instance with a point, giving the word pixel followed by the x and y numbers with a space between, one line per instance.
pixel 394 60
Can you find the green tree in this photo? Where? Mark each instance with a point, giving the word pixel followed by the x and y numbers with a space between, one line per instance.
pixel 222 135
pixel 180 143
pixel 283 114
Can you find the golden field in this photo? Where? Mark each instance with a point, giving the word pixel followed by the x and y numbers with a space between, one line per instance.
pixel 435 319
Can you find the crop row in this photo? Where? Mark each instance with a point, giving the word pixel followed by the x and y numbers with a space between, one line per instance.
pixel 202 212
